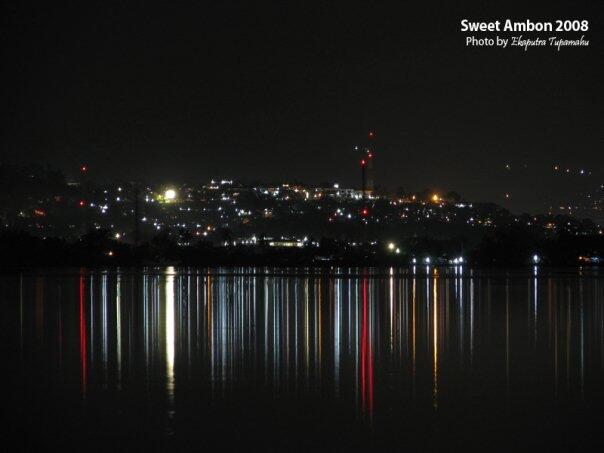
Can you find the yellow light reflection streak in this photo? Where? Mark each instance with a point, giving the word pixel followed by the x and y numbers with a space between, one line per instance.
pixel 170 331
pixel 435 341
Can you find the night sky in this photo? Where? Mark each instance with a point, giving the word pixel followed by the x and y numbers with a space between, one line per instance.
pixel 284 90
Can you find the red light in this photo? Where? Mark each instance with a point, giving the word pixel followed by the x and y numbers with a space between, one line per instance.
pixel 364 212
pixel 84 168
pixel 39 212
pixel 370 155
pixel 371 134
pixel 363 162
pixel 82 203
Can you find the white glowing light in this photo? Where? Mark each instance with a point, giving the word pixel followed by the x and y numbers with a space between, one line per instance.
pixel 170 194
pixel 536 258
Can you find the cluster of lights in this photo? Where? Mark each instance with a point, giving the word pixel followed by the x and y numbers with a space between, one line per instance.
pixel 435 207
pixel 427 260
pixel 393 248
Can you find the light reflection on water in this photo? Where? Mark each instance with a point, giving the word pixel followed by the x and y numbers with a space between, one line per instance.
pixel 382 342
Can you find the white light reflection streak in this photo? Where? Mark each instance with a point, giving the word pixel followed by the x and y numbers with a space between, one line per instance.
pixel 337 327
pixel 413 330
pixel 535 302
pixel 507 336
pixel 118 321
pixel 462 314
pixel 391 287
pixel 581 313
pixel 21 312
pixel 471 319
pixel 105 328
pixel 146 320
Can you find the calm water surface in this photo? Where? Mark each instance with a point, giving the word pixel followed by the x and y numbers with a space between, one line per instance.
pixel 304 359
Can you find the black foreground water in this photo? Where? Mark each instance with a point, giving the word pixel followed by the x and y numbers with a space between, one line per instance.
pixel 301 359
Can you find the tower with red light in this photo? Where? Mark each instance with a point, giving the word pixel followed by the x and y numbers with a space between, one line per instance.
pixel 85 196
pixel 366 162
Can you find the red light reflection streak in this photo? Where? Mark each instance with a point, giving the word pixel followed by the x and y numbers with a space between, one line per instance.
pixel 363 346
pixel 366 358
pixel 83 353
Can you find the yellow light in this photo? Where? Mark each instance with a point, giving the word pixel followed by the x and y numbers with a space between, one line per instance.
pixel 170 331
pixel 391 246
pixel 170 194
pixel 435 198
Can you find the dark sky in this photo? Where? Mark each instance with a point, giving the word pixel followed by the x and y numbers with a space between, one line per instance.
pixel 283 90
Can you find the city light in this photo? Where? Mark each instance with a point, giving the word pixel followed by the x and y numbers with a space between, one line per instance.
pixel 170 194
pixel 536 259
pixel 208 207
